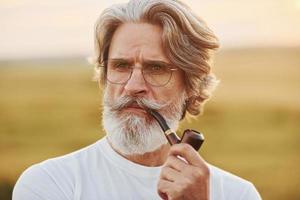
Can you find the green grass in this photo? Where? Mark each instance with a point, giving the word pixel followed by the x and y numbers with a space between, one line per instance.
pixel 252 127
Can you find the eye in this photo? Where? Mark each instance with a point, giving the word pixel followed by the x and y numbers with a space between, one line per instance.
pixel 121 66
pixel 155 69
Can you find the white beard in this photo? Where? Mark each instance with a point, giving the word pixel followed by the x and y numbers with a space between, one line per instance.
pixel 131 134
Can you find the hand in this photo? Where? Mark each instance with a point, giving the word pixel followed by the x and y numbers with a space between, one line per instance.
pixel 186 178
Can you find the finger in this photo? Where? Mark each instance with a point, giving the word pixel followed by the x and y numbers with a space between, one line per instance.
pixel 187 152
pixel 170 174
pixel 163 187
pixel 163 196
pixel 169 190
pixel 176 163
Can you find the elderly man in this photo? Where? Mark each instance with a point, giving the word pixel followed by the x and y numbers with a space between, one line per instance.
pixel 150 54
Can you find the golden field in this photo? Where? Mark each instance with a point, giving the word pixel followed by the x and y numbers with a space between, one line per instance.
pixel 49 107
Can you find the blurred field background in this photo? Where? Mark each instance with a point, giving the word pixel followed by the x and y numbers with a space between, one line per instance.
pixel 50 107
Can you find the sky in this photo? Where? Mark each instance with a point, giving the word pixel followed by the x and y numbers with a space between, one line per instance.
pixel 33 28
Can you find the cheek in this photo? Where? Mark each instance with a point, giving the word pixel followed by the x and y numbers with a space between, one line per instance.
pixel 113 91
pixel 169 92
pixel 177 83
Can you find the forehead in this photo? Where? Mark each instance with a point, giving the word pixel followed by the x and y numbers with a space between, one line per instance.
pixel 137 41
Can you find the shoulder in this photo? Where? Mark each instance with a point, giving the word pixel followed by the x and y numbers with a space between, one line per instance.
pixel 54 178
pixel 36 183
pixel 229 186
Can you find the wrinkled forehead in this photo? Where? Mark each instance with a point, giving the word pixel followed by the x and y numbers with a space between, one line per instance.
pixel 138 41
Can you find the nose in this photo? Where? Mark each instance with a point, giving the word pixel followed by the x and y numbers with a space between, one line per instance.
pixel 136 85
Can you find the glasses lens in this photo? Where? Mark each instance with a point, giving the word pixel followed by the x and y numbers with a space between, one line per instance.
pixel 158 79
pixel 118 72
pixel 157 74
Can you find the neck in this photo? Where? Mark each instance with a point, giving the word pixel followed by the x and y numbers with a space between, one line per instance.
pixel 150 159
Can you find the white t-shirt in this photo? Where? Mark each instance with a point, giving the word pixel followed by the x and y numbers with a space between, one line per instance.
pixel 97 172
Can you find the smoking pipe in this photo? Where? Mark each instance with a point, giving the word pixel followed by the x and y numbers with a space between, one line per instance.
pixel 192 137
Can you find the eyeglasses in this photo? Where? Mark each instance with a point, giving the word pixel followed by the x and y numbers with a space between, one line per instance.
pixel 156 73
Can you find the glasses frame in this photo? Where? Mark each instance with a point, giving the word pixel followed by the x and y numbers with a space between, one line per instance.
pixel 104 65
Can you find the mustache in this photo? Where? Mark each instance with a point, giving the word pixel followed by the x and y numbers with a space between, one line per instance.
pixel 126 101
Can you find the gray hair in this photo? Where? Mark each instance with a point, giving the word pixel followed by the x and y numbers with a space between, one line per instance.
pixel 186 39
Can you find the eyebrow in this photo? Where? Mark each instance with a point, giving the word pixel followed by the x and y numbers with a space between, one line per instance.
pixel 156 62
pixel 120 60
pixel 146 61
